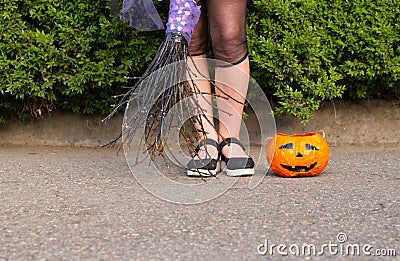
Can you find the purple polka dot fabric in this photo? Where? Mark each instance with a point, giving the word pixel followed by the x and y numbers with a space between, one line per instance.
pixel 183 16
pixel 142 15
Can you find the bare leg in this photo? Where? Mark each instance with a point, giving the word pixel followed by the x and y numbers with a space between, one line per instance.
pixel 233 81
pixel 207 130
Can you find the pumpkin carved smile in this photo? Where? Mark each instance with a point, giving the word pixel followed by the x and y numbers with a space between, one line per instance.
pixel 299 168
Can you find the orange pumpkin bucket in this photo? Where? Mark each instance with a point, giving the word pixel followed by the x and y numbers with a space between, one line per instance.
pixel 298 155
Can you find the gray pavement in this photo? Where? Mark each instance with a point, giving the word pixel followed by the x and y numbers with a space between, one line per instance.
pixel 63 203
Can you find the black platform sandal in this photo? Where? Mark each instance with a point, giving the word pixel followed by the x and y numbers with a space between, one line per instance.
pixel 236 166
pixel 204 167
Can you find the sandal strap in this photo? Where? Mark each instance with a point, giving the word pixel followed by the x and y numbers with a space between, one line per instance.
pixel 229 141
pixel 205 142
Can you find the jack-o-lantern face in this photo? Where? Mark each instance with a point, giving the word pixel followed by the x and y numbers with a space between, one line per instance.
pixel 298 155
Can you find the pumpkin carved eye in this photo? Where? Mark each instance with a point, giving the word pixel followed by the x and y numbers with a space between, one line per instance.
pixel 288 146
pixel 311 147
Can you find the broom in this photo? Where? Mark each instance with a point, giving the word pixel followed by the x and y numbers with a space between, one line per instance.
pixel 167 84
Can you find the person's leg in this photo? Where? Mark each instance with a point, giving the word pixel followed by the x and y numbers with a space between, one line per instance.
pixel 206 129
pixel 199 69
pixel 233 83
pixel 227 19
pixel 198 49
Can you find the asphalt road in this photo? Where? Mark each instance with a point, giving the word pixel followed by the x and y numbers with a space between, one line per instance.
pixel 60 203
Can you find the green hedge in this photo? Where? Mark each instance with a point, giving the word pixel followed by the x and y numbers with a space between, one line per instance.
pixel 307 51
pixel 73 55
pixel 67 54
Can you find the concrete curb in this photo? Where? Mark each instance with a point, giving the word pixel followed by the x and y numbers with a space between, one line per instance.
pixel 367 122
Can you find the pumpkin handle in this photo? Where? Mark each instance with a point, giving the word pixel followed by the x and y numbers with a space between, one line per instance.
pixel 322 133
pixel 267 141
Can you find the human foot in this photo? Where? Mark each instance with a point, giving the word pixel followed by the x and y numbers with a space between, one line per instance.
pixel 206 161
pixel 237 161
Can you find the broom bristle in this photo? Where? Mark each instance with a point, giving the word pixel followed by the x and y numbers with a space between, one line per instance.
pixel 166 86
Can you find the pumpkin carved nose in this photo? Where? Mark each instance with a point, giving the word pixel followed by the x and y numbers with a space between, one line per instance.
pixel 299 155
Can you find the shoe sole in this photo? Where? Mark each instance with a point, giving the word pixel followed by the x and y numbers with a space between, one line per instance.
pixel 203 172
pixel 238 172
